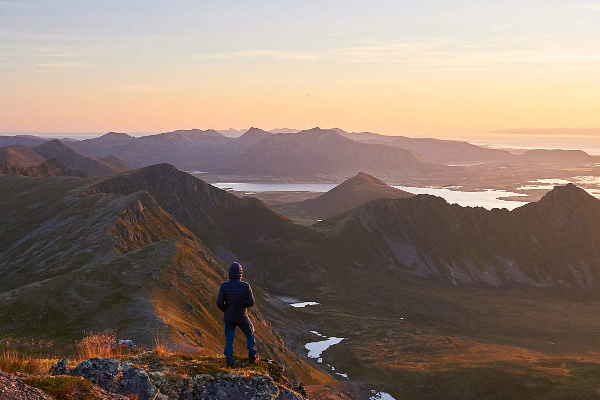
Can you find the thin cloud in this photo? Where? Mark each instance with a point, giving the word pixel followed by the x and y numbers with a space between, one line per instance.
pixel 445 54
pixel 61 65
pixel 284 55
pixel 586 6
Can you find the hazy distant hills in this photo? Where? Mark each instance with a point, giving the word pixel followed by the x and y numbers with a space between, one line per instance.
pixel 312 153
pixel 54 158
pixel 317 152
pixel 451 151
pixel 558 156
pixel 187 149
pixel 332 154
pixel 26 140
pixel 352 193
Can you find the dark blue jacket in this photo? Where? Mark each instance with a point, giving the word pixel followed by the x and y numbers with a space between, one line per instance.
pixel 235 296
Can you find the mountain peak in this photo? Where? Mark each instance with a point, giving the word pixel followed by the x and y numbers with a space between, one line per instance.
pixel 255 131
pixel 349 194
pixel 364 178
pixel 115 135
pixel 567 195
pixel 54 144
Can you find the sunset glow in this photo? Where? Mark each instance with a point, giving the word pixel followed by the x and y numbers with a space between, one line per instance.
pixel 432 68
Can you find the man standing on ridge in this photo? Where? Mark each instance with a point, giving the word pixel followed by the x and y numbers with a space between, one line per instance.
pixel 234 297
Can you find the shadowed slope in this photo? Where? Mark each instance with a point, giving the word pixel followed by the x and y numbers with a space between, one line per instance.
pixel 550 243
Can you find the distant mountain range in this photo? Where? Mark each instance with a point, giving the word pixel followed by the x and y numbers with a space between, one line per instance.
pixel 330 154
pixel 317 152
pixel 53 158
pixel 350 194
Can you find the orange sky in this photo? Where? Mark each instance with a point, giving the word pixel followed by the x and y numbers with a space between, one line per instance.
pixel 432 69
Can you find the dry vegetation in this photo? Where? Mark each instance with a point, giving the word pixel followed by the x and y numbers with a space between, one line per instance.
pixel 35 359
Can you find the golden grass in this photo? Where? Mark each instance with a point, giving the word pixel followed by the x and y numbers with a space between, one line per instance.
pixel 32 357
pixel 161 349
pixel 31 361
pixel 97 345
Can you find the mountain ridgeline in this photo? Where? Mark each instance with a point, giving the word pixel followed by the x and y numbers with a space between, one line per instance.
pixel 74 258
pixel 54 158
pixel 551 243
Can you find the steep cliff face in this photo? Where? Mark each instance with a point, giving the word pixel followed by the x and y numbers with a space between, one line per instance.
pixel 550 243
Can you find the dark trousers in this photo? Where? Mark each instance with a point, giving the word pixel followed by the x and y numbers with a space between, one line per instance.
pixel 248 330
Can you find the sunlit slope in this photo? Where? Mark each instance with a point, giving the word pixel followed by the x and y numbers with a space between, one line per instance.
pixel 74 261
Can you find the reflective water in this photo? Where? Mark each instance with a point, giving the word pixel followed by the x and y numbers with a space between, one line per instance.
pixel 380 396
pixel 304 304
pixel 488 198
pixel 316 348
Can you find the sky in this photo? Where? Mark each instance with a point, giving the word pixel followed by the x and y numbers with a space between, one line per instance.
pixel 429 67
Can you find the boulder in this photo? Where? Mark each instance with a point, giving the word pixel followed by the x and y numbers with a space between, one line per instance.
pixel 60 368
pixel 116 377
pixel 222 386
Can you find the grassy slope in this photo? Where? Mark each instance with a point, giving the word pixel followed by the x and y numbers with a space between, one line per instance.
pixel 111 261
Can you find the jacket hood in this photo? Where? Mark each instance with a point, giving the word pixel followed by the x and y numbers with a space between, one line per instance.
pixel 235 272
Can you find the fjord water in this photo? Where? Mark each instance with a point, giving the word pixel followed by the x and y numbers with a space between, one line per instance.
pixel 489 198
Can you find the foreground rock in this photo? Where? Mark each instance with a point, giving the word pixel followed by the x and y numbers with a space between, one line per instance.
pixel 116 377
pixel 221 386
pixel 122 378
pixel 11 388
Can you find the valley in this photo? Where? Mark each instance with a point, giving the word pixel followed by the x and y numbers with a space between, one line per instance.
pixel 366 286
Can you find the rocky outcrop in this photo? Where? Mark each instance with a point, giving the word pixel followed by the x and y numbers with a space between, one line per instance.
pixel 121 378
pixel 221 386
pixel 116 377
pixel 59 368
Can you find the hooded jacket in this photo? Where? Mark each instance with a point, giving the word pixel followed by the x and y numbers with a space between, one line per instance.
pixel 235 296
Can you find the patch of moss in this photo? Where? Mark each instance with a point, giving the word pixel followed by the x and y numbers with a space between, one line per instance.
pixel 63 387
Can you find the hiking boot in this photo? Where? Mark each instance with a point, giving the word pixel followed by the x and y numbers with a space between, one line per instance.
pixel 229 363
pixel 252 358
